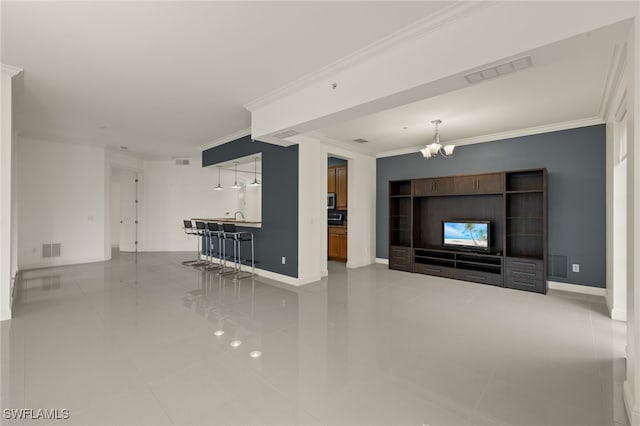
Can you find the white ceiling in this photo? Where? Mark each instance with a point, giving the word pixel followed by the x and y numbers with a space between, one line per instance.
pixel 164 78
pixel 565 83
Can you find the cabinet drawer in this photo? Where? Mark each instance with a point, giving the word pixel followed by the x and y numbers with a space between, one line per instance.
pixel 440 271
pixel 525 274
pixel 478 277
pixel 337 230
pixel 529 265
pixel 399 258
pixel 527 284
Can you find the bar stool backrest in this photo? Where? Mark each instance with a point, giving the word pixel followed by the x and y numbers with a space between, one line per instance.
pixel 187 224
pixel 213 227
pixel 200 225
pixel 229 228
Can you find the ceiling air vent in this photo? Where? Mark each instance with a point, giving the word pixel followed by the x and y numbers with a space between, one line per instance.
pixel 285 134
pixel 182 162
pixel 499 70
pixel 360 140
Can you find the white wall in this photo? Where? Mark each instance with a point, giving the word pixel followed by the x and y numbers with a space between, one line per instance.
pixel 61 199
pixel 8 217
pixel 173 193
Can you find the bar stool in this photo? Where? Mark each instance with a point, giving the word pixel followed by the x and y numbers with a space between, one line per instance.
pixel 212 232
pixel 200 232
pixel 239 237
pixel 189 230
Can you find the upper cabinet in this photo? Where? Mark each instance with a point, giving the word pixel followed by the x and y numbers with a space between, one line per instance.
pixel 331 180
pixel 490 183
pixel 337 182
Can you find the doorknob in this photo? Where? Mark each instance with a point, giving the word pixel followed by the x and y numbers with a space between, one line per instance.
pixel 121 222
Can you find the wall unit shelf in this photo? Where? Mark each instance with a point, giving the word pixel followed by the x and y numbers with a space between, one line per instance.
pixel 514 202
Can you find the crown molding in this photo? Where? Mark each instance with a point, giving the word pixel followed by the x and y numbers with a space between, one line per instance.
pixel 424 26
pixel 11 70
pixel 228 138
pixel 614 78
pixel 565 125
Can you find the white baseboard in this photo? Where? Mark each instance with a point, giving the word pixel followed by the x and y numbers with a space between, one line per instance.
pixel 382 261
pixel 618 314
pixel 65 262
pixel 271 275
pixel 576 288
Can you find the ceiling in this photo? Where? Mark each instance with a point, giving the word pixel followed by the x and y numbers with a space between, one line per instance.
pixel 164 78
pixel 565 83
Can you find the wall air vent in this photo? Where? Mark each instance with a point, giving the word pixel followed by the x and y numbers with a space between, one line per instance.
pixel 182 162
pixel 360 140
pixel 285 134
pixel 51 250
pixel 499 70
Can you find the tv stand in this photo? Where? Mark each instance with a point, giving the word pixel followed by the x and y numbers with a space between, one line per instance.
pixel 463 265
pixel 514 202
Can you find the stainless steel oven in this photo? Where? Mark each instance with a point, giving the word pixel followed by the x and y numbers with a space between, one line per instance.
pixel 331 200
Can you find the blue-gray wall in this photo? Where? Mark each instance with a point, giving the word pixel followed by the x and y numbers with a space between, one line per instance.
pixel 278 236
pixel 575 160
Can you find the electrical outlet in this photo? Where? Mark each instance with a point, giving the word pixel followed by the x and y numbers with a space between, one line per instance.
pixel 575 267
pixel 284 260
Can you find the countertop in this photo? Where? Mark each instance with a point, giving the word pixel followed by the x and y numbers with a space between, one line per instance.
pixel 239 222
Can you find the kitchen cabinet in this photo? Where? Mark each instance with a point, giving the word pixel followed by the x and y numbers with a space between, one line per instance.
pixel 337 183
pixel 331 180
pixel 337 243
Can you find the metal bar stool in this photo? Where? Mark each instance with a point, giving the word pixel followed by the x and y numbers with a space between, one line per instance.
pixel 239 237
pixel 200 232
pixel 212 231
pixel 189 230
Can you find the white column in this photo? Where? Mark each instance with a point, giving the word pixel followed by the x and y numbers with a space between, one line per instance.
pixel 6 208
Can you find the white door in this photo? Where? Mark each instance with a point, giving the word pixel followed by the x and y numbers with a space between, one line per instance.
pixel 128 211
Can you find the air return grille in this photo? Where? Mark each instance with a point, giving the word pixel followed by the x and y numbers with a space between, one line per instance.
pixel 558 266
pixel 499 70
pixel 51 250
pixel 182 162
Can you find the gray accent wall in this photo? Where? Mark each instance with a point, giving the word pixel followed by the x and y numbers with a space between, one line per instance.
pixel 575 160
pixel 278 236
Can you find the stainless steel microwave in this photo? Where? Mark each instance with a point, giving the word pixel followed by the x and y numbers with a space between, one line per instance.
pixel 331 200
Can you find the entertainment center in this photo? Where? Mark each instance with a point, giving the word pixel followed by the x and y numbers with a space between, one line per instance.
pixel 488 228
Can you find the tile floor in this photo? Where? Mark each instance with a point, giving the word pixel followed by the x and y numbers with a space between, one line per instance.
pixel 132 342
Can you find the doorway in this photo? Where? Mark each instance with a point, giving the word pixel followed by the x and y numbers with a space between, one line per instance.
pixel 337 212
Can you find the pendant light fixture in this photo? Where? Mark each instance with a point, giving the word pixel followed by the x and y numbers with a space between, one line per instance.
pixel 219 188
pixel 235 184
pixel 255 172
pixel 433 149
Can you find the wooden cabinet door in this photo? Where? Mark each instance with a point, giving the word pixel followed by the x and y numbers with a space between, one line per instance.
pixel 343 247
pixel 334 245
pixel 331 180
pixel 479 184
pixel 341 188
pixel 433 186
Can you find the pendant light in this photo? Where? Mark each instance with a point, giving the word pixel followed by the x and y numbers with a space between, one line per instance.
pixel 219 188
pixel 255 172
pixel 435 148
pixel 235 184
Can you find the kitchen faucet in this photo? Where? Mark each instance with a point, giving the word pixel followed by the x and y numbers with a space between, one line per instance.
pixel 236 214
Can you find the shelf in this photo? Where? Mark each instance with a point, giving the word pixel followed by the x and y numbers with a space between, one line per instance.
pixel 400 196
pixel 524 235
pixel 483 264
pixel 528 191
pixel 400 215
pixel 523 218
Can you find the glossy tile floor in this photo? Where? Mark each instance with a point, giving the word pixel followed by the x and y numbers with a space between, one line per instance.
pixel 132 342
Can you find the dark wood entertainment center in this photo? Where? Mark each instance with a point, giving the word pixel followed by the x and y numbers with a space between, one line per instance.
pixel 515 202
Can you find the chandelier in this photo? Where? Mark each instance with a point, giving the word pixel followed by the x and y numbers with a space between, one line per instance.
pixel 433 149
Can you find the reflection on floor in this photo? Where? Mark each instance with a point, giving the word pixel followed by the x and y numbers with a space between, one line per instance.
pixel 133 341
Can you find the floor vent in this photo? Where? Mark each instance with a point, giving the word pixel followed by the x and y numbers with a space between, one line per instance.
pixel 558 266
pixel 181 162
pixel 51 250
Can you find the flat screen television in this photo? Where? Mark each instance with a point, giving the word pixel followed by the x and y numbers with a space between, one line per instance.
pixel 466 234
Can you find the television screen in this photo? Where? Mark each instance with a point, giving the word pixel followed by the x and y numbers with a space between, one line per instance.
pixel 473 235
